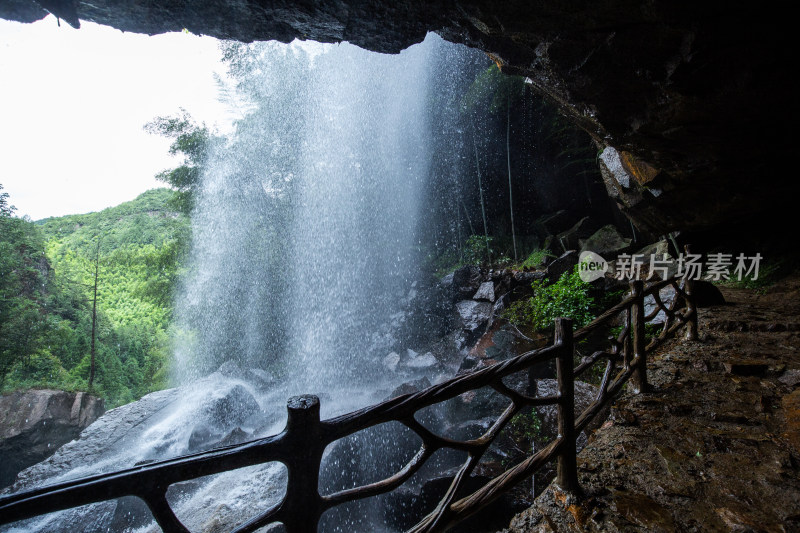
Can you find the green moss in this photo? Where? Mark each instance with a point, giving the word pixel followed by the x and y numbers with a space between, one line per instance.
pixel 534 259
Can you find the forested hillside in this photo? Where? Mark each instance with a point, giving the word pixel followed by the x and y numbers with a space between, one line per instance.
pixel 47 288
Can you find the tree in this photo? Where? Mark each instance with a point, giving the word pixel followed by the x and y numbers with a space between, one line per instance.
pixel 510 194
pixel 191 140
pixel 500 90
pixel 23 273
pixel 92 365
pixel 480 190
pixel 5 209
pixel 71 316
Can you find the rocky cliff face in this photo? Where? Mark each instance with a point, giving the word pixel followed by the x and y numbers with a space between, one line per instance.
pixel 689 101
pixel 35 423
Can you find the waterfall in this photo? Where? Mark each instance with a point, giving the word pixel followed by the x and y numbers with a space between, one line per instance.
pixel 305 228
pixel 306 246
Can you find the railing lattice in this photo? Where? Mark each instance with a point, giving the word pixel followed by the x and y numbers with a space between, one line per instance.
pixel 301 444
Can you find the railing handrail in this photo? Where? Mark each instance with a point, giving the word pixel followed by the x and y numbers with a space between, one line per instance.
pixel 301 444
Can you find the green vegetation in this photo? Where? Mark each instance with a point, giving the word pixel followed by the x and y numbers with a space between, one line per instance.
pixel 192 141
pixel 535 259
pixel 517 157
pixel 522 433
pixel 477 249
pixel 23 269
pixel 770 271
pixel 526 426
pixel 474 253
pixel 503 91
pixel 46 293
pixel 568 297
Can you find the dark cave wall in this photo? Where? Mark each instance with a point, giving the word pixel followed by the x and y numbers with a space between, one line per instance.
pixel 693 97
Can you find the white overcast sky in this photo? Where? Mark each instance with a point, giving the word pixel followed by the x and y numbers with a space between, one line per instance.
pixel 73 104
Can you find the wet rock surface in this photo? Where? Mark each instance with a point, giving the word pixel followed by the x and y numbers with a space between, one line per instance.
pixel 714 446
pixel 218 410
pixel 607 241
pixel 35 423
pixel 473 314
pixel 565 263
pixel 109 432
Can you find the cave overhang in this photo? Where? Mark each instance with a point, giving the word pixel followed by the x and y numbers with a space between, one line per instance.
pixel 688 102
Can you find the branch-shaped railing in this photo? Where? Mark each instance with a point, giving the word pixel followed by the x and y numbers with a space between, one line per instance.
pixel 301 444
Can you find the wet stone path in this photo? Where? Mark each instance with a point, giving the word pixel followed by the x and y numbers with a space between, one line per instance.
pixel 714 446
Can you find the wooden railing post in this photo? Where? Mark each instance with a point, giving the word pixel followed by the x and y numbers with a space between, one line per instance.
pixel 627 349
pixel 302 505
pixel 637 332
pixel 691 307
pixel 532 387
pixel 567 468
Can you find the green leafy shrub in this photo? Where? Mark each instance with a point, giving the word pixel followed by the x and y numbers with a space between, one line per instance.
pixel 40 368
pixel 523 431
pixel 526 427
pixel 476 250
pixel 568 297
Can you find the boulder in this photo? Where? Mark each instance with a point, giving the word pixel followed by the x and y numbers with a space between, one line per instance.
pixel 155 427
pixel 470 362
pixel 449 349
pixel 607 242
pixel 502 346
pixel 204 438
pixel 421 362
pixel 583 229
pixel 566 262
pixel 231 409
pixel 526 278
pixel 409 387
pixel 485 292
pixel 473 314
pixel 36 423
pixel 707 294
pixel 407 505
pixel 236 436
pixel 470 429
pixel 391 361
pixel 447 281
pixel 220 418
pixel 552 245
pixel 657 248
pixel 585 394
pixel 477 403
pixel 500 305
pixel 667 296
pixel 466 281
pixel 658 251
